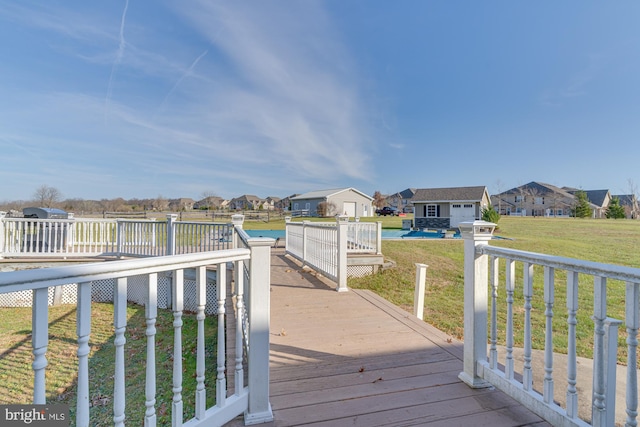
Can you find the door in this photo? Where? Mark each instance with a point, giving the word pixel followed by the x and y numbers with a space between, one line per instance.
pixel 461 212
pixel 349 208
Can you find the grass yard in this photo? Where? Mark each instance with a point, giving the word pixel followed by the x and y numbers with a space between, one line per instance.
pixel 16 375
pixel 608 241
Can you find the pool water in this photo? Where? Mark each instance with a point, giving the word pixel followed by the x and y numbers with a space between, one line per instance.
pixel 386 234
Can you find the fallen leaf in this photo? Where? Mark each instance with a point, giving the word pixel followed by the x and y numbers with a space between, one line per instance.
pixel 379 379
pixel 361 369
pixel 283 332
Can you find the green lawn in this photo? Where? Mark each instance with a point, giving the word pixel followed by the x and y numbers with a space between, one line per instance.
pixel 16 375
pixel 608 241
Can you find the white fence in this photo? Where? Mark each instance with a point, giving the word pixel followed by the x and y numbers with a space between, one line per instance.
pixel 84 237
pixel 324 246
pixel 251 304
pixel 483 284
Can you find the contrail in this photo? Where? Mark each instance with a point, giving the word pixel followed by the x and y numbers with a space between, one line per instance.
pixel 117 61
pixel 184 75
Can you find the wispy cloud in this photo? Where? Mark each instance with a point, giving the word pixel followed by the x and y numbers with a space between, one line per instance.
pixel 290 94
pixel 118 59
pixel 577 84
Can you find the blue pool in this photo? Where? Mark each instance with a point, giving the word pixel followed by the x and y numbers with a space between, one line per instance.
pixel 386 234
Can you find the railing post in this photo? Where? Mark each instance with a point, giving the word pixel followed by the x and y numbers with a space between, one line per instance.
pixel 237 220
pixel 475 234
pixel 259 303
pixel 611 359
pixel 418 298
pixel 171 234
pixel 287 220
pixel 120 229
pixel 3 248
pixel 379 238
pixel 343 224
pixel 304 242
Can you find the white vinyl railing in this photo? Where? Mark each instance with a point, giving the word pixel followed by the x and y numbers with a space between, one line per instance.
pixel 364 237
pixel 251 305
pixel 30 237
pixel 324 246
pixel 483 284
pixel 86 237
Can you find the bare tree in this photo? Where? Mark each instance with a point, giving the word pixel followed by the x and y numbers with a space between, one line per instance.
pixel 47 196
pixel 160 204
pixel 378 199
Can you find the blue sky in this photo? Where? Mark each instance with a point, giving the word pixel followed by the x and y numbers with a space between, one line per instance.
pixel 176 99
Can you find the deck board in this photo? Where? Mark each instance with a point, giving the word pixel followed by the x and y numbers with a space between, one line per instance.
pixel 354 359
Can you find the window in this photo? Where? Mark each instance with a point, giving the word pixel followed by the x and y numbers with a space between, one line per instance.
pixel 296 206
pixel 433 211
pixel 468 206
pixel 539 201
pixel 456 206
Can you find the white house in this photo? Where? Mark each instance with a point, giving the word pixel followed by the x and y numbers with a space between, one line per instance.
pixel 448 207
pixel 338 201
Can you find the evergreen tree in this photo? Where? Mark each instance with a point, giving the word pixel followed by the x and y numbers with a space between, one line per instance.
pixel 581 208
pixel 615 209
pixel 489 214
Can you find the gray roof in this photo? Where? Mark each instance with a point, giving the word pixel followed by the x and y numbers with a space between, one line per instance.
pixel 322 194
pixel 537 189
pixel 449 194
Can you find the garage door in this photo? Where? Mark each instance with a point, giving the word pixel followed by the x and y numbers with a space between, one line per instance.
pixel 349 208
pixel 462 212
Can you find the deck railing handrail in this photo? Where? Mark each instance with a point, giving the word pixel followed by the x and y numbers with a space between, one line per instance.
pixel 481 366
pixel 86 237
pixel 251 304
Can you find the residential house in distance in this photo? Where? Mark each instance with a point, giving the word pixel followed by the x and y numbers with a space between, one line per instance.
pixel 339 201
pixel 245 202
pixel 401 200
pixel 599 200
pixel 286 202
pixel 630 204
pixel 272 203
pixel 210 203
pixel 182 204
pixel 443 208
pixel 534 199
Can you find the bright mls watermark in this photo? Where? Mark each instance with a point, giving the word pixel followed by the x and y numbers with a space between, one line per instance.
pixel 34 415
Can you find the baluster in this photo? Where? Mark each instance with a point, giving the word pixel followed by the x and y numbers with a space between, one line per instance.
pixel 632 320
pixel 151 313
pixel 83 329
pixel 120 325
pixel 40 341
pixel 527 375
pixel 178 305
pixel 572 321
pixel 201 393
pixel 510 285
pixel 493 279
pixel 598 414
pixel 549 285
pixel 221 383
pixel 239 375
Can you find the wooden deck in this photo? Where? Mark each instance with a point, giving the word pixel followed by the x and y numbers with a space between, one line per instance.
pixel 354 359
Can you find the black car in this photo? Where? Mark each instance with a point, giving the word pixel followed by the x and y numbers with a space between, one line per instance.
pixel 387 210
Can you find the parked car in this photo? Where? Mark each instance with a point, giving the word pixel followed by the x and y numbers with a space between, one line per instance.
pixel 387 210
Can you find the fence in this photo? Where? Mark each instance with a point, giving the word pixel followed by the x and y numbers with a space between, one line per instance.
pixel 324 246
pixel 252 285
pixel 484 283
pixel 84 237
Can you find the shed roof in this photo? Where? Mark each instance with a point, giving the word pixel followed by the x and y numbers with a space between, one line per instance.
pixel 449 194
pixel 321 194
